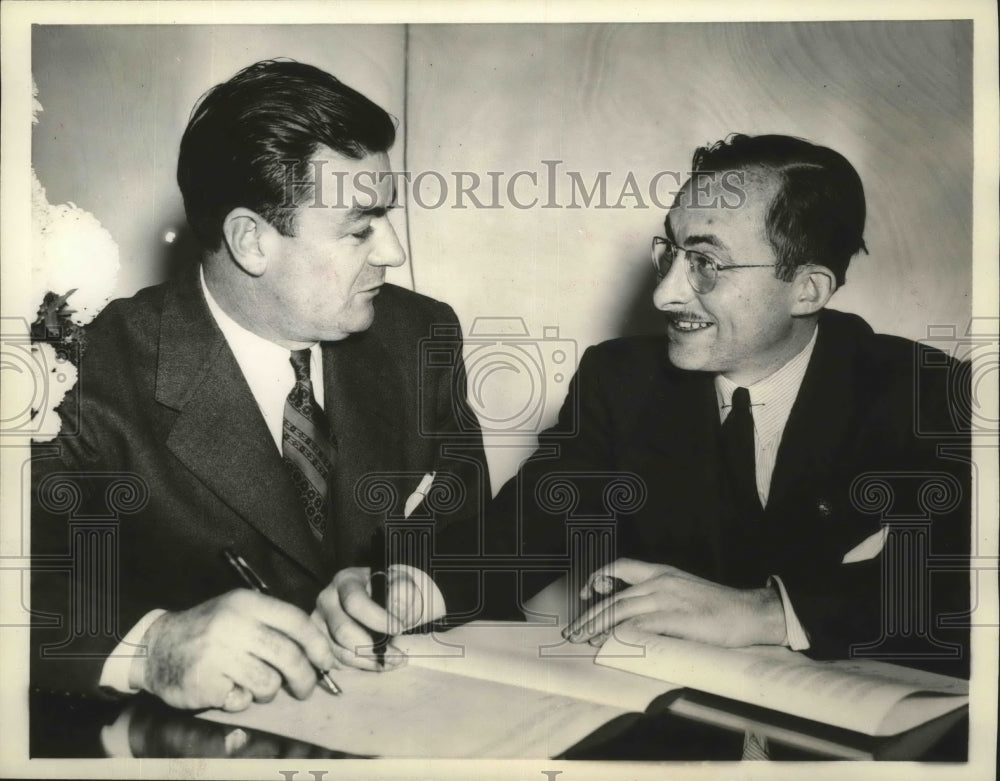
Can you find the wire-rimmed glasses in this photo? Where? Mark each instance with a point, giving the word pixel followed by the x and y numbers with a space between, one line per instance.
pixel 702 270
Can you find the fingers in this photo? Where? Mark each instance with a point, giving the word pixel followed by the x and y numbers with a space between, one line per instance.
pixel 354 646
pixel 244 638
pixel 601 618
pixel 347 600
pixel 351 644
pixel 237 699
pixel 358 604
pixel 678 604
pixel 254 676
pixel 351 617
pixel 602 586
pixel 620 574
pixel 280 658
pixel 291 646
pixel 406 603
pixel 290 623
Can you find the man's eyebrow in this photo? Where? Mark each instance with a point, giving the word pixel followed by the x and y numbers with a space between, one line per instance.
pixel 706 238
pixel 374 212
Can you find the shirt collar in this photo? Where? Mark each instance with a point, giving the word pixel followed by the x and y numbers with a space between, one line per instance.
pixel 772 397
pixel 264 364
pixel 243 342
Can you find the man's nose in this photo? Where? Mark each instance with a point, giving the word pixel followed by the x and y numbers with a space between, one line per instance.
pixel 674 288
pixel 386 250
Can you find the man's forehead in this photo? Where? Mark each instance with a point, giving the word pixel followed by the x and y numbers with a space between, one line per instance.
pixel 358 184
pixel 710 196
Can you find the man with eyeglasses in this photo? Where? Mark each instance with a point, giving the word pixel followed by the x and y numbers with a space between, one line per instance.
pixel 753 427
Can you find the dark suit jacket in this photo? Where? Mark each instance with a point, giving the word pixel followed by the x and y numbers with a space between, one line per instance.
pixel 165 459
pixel 874 436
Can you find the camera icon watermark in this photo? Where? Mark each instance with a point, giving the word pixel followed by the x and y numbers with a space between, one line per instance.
pixel 967 365
pixel 36 377
pixel 515 381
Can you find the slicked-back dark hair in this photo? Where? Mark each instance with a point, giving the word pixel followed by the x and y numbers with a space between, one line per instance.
pixel 250 137
pixel 818 213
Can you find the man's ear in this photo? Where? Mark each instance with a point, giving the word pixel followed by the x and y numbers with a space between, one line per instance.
pixel 243 230
pixel 811 289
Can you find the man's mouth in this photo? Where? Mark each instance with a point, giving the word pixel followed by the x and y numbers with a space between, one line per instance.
pixel 687 324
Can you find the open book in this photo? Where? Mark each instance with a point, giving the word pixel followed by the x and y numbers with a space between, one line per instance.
pixel 519 690
pixel 865 696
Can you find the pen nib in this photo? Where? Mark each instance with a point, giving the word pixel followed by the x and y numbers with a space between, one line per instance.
pixel 326 684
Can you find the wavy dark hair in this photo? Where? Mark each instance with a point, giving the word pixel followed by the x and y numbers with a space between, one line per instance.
pixel 250 140
pixel 817 215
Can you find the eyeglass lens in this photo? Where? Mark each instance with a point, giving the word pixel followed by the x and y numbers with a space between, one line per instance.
pixel 701 271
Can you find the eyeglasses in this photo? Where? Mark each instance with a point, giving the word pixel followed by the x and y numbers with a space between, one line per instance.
pixel 702 270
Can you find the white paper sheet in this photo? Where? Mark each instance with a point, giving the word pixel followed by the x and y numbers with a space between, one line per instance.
pixel 415 712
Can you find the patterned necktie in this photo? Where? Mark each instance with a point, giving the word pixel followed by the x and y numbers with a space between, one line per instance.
pixel 738 452
pixel 306 445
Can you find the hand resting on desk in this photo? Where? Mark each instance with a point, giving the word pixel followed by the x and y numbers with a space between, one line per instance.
pixel 346 610
pixel 668 601
pixel 229 651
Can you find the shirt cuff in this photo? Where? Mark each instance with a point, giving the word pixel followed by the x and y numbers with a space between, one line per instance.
pixel 115 673
pixel 114 737
pixel 795 634
pixel 433 600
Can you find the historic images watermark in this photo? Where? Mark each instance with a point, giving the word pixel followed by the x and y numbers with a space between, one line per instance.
pixel 549 186
pixel 514 378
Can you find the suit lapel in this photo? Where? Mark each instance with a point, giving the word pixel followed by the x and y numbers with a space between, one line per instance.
pixel 820 418
pixel 684 427
pixel 219 433
pixel 365 405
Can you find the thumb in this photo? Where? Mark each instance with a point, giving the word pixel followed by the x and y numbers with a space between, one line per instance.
pixel 629 571
pixel 406 603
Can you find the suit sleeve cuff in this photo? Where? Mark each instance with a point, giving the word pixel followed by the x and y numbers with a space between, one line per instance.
pixel 433 600
pixel 795 635
pixel 115 673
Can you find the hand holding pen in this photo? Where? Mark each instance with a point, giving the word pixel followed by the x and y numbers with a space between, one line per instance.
pixel 363 607
pixel 407 606
pixel 229 651
pixel 253 581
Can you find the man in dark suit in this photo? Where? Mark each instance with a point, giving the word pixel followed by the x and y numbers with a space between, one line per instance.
pixel 783 458
pixel 274 402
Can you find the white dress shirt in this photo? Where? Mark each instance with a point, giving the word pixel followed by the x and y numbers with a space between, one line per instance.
pixel 771 401
pixel 268 371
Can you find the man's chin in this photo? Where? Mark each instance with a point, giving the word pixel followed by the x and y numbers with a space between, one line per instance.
pixel 361 318
pixel 687 359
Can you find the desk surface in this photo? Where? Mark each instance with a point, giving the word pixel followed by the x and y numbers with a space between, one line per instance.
pixel 695 726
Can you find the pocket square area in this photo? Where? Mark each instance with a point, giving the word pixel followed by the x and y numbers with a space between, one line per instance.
pixel 869 548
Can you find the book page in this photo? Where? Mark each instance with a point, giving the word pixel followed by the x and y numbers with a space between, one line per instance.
pixel 415 712
pixel 533 656
pixel 781 679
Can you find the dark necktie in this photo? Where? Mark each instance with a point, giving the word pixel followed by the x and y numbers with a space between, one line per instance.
pixel 738 452
pixel 306 445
